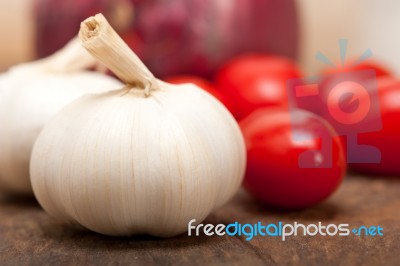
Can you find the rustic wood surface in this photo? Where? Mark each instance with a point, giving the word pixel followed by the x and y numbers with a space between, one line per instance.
pixel 29 236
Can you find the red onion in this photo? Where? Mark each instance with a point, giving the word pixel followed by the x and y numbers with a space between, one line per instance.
pixel 179 36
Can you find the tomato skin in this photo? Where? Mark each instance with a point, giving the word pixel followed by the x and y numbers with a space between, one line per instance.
pixel 256 80
pixel 387 140
pixel 379 69
pixel 273 174
pixel 349 72
pixel 205 85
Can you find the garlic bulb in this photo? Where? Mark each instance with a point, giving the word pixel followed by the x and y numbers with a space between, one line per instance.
pixel 147 158
pixel 2 81
pixel 32 93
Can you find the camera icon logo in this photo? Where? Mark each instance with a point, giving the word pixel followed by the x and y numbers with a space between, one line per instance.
pixel 349 102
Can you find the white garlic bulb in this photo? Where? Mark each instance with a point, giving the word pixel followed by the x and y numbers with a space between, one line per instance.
pixel 2 81
pixel 32 93
pixel 147 158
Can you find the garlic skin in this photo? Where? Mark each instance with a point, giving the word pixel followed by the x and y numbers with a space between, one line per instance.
pixel 137 161
pixel 30 95
pixel 132 164
pixel 2 81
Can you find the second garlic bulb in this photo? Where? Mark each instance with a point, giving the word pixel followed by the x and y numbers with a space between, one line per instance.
pixel 31 94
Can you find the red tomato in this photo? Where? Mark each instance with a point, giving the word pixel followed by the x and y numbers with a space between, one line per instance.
pixel 205 85
pixel 256 80
pixel 350 72
pixel 332 76
pixel 380 70
pixel 387 140
pixel 274 174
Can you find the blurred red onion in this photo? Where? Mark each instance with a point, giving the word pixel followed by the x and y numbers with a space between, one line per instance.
pixel 178 36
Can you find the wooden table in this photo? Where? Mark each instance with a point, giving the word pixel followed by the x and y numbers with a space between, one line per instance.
pixel 29 236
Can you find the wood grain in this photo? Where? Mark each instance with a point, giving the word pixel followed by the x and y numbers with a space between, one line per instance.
pixel 30 236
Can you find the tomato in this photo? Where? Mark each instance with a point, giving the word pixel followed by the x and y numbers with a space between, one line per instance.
pixel 387 140
pixel 286 172
pixel 256 80
pixel 358 73
pixel 379 69
pixel 205 85
pixel 351 72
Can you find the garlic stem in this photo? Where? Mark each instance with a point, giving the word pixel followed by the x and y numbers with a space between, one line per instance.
pixel 100 40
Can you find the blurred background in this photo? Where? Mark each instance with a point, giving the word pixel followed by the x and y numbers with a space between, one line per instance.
pixel 197 36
